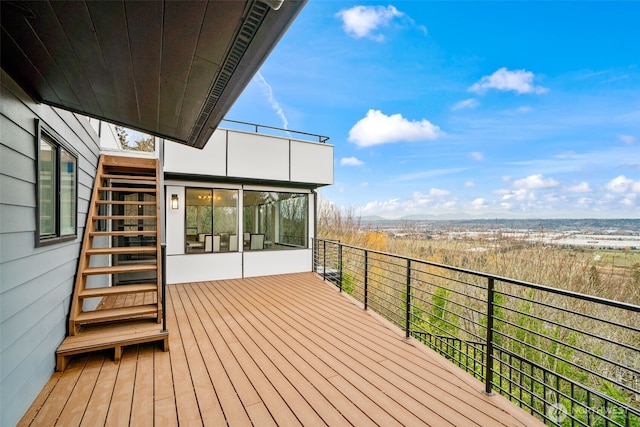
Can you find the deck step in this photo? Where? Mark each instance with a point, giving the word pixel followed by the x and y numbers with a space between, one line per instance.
pixel 114 269
pixel 150 178
pixel 118 290
pixel 122 250
pixel 115 336
pixel 124 233
pixel 124 202
pixel 123 217
pixel 122 313
pixel 128 189
pixel 116 162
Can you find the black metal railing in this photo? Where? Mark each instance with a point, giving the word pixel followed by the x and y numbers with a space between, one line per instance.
pixel 569 359
pixel 163 293
pixel 274 131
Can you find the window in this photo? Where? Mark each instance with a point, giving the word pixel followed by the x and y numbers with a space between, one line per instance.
pixel 211 220
pixel 56 209
pixel 274 220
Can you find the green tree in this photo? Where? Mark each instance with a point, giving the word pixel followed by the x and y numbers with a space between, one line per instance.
pixel 135 141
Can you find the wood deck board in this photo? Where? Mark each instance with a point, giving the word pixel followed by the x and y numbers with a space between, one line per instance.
pixel 164 396
pixel 187 410
pixel 79 399
pixel 278 350
pixel 210 386
pixel 367 376
pixel 412 397
pixel 142 406
pixel 96 412
pixel 119 413
pixel 305 372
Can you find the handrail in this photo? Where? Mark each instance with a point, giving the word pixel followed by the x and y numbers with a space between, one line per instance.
pixel 568 358
pixel 164 287
pixel 321 138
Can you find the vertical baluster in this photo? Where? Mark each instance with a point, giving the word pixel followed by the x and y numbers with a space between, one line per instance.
pixel 489 359
pixel 366 279
pixel 408 300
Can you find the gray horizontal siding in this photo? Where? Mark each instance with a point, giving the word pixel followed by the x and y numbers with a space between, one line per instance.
pixel 36 283
pixel 16 164
pixel 25 382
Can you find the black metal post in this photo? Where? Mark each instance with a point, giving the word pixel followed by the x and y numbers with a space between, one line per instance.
pixel 163 251
pixel 489 355
pixel 314 255
pixel 340 265
pixel 366 279
pixel 408 299
pixel 324 260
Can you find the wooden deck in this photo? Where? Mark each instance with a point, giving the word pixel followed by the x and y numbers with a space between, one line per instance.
pixel 279 350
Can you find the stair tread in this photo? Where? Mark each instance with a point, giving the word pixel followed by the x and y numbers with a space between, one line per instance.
pixel 116 313
pixel 128 189
pixel 130 268
pixel 110 161
pixel 151 178
pixel 122 250
pixel 125 202
pixel 124 233
pixel 122 217
pixel 119 290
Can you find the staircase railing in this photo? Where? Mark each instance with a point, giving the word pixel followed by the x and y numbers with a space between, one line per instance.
pixel 568 358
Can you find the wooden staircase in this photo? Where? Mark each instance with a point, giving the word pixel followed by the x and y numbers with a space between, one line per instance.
pixel 122 240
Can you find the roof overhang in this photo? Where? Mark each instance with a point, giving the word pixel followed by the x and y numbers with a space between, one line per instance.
pixel 168 68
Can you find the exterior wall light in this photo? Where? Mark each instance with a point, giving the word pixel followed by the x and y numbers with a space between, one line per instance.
pixel 174 201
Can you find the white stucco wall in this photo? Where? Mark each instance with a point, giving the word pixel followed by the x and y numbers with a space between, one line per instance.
pixel 245 155
pixel 266 263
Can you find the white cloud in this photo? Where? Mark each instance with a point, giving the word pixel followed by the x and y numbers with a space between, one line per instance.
pixel 476 155
pixel 630 200
pixel 520 81
pixel 465 104
pixel 364 184
pixel 470 184
pixel 364 21
pixel 535 181
pixel 435 200
pixel 622 184
pixel 377 128
pixel 479 203
pixel 628 139
pixel 428 174
pixel 436 192
pixel 351 161
pixel 583 187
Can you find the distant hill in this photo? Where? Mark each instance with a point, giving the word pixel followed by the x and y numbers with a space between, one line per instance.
pixel 372 218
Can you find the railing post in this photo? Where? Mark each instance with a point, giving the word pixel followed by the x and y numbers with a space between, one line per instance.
pixel 314 255
pixel 163 252
pixel 366 279
pixel 489 355
pixel 408 298
pixel 324 260
pixel 340 265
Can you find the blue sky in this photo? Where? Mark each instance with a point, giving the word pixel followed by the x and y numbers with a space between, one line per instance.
pixel 492 109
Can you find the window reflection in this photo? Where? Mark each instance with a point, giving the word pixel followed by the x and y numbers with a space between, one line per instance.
pixel 211 220
pixel 275 220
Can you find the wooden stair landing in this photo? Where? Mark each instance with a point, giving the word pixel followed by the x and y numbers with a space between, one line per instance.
pixel 111 336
